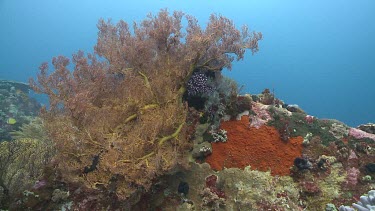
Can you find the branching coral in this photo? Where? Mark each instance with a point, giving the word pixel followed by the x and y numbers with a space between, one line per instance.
pixel 126 108
pixel 366 203
pixel 220 136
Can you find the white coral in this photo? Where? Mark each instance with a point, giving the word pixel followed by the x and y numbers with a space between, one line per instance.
pixel 220 136
pixel 366 203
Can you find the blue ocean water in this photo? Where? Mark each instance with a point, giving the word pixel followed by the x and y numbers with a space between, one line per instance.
pixel 317 54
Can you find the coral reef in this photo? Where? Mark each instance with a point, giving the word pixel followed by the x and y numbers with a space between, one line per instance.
pixel 148 122
pixel 16 107
pixel 120 122
pixel 235 189
pixel 320 166
pixel 326 167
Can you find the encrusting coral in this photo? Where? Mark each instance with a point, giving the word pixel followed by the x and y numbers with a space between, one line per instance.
pixel 119 122
pixel 261 148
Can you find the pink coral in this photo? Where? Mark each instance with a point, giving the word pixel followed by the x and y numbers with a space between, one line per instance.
pixel 359 134
pixel 39 184
pixel 352 156
pixel 352 177
pixel 353 159
pixel 309 119
pixel 262 115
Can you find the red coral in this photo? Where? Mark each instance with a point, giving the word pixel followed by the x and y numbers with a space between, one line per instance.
pixel 282 194
pixel 310 188
pixel 211 183
pixel 261 148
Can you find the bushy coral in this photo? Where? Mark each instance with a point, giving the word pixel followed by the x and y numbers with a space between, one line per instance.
pixel 338 130
pixel 21 165
pixel 122 117
pixel 267 98
pixel 329 188
pixel 222 100
pixel 239 189
pixel 33 130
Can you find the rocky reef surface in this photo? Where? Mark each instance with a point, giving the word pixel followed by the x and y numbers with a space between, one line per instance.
pixel 270 156
pixel 274 156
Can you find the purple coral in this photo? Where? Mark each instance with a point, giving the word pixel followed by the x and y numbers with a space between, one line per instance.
pixel 359 134
pixel 198 84
pixel 352 156
pixel 39 184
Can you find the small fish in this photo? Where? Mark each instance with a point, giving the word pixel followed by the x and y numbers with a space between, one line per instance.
pixel 18 91
pixel 11 121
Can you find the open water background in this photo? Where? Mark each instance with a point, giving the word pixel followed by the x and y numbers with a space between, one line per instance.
pixel 315 53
